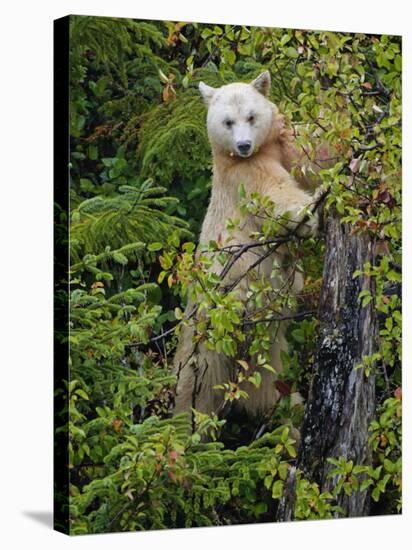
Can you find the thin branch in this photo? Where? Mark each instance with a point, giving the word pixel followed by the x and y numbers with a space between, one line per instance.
pixel 384 91
pixel 245 247
pixel 276 318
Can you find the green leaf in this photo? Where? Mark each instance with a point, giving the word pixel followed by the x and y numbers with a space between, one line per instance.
pixel 298 335
pixel 366 300
pixel 242 191
pixel 267 482
pixel 261 508
pixel 365 484
pixel 292 52
pixel 291 450
pixel 82 393
pixel 119 258
pixel 277 489
pixel 86 185
pixel 161 277
pixel 376 494
pixel 153 247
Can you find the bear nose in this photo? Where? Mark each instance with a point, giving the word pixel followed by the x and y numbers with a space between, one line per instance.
pixel 243 147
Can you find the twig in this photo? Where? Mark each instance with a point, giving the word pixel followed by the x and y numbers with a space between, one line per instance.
pixel 275 318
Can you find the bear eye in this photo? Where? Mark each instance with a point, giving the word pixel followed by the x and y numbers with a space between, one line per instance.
pixel 228 123
pixel 251 119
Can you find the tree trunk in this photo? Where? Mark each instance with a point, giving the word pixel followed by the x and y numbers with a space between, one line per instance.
pixel 341 403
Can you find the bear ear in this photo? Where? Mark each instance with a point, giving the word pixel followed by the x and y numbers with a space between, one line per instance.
pixel 207 92
pixel 262 83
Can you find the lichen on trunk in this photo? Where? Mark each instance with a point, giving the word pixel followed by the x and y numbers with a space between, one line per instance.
pixel 341 402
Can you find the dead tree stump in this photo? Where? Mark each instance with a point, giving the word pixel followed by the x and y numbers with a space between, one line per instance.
pixel 341 402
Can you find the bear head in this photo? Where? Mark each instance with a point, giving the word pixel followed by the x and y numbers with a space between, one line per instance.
pixel 239 116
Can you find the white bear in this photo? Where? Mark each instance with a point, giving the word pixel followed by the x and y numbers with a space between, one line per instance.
pixel 249 147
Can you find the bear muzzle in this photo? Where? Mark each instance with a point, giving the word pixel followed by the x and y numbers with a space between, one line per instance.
pixel 244 148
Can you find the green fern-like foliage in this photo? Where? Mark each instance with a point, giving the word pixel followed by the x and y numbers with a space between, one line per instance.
pixel 133 215
pixel 111 40
pixel 171 128
pixel 115 62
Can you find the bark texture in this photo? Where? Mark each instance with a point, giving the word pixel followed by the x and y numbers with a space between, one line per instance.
pixel 341 403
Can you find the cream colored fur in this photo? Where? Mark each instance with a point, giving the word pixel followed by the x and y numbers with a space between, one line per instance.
pixel 264 171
